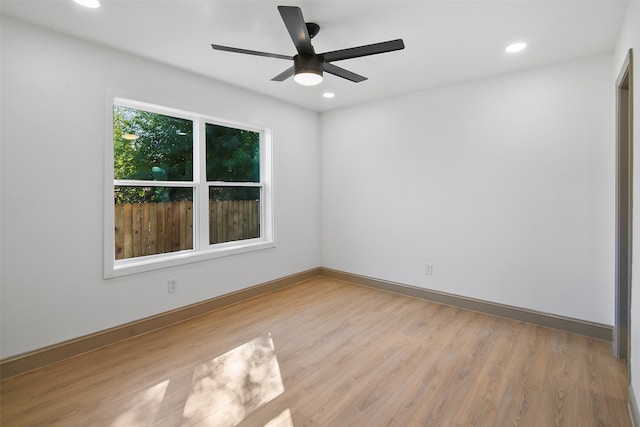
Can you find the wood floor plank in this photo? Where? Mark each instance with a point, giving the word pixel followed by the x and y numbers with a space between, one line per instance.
pixel 329 353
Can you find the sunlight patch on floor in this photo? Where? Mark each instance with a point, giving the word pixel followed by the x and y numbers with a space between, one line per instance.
pixel 142 407
pixel 221 392
pixel 282 420
pixel 233 385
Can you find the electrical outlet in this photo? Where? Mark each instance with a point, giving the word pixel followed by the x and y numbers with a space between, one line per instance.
pixel 428 269
pixel 172 285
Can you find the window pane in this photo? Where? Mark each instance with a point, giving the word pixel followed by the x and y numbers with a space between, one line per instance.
pixel 234 213
pixel 150 146
pixel 152 220
pixel 233 155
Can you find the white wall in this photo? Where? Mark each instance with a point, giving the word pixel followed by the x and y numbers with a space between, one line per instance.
pixel 53 126
pixel 505 184
pixel 629 38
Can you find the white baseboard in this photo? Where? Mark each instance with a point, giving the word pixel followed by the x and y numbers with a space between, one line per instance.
pixel 633 408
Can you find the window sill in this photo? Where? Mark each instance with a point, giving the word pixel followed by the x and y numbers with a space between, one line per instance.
pixel 154 262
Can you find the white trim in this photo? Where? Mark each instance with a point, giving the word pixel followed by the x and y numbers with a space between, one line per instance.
pixel 633 408
pixel 186 184
pixel 202 189
pixel 173 259
pixel 139 183
pixel 108 219
pixel 233 184
pixel 266 176
pixel 154 108
pixel 202 250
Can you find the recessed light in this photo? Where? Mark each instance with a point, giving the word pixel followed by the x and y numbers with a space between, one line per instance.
pixel 88 3
pixel 329 94
pixel 516 47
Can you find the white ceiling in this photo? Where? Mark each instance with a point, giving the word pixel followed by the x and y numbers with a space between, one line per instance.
pixel 446 41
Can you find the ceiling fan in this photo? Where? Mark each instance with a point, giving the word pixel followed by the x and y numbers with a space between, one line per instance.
pixel 308 65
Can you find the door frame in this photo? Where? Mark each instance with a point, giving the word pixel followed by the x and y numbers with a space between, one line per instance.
pixel 624 208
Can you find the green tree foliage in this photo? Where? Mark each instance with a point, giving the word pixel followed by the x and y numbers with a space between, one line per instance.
pixel 150 146
pixel 162 142
pixel 233 155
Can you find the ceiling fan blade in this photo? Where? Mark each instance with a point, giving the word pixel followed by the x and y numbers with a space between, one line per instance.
pixel 284 75
pixel 370 49
pixel 294 21
pixel 250 52
pixel 341 72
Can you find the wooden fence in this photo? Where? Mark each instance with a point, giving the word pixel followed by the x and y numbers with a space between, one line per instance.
pixel 155 228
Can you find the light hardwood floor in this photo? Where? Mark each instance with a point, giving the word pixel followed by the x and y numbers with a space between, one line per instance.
pixel 329 353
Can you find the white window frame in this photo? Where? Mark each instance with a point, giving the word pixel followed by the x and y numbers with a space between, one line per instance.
pixel 202 250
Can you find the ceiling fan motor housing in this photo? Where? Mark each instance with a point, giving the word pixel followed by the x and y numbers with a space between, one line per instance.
pixel 308 64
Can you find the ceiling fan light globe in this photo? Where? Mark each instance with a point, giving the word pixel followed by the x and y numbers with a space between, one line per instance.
pixel 515 47
pixel 308 78
pixel 91 4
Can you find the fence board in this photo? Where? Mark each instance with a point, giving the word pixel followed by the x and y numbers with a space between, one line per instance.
pixel 255 218
pixel 189 225
pixel 168 227
pixel 183 225
pixel 144 229
pixel 235 215
pixel 175 227
pixel 245 220
pixel 119 227
pixel 225 221
pixel 153 229
pixel 137 229
pixel 219 220
pixel 128 230
pixel 161 228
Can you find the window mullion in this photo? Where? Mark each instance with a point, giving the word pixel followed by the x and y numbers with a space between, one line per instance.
pixel 234 184
pixel 202 189
pixel 141 183
pixel 266 207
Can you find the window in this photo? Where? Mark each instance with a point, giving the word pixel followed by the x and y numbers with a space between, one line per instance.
pixel 182 187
